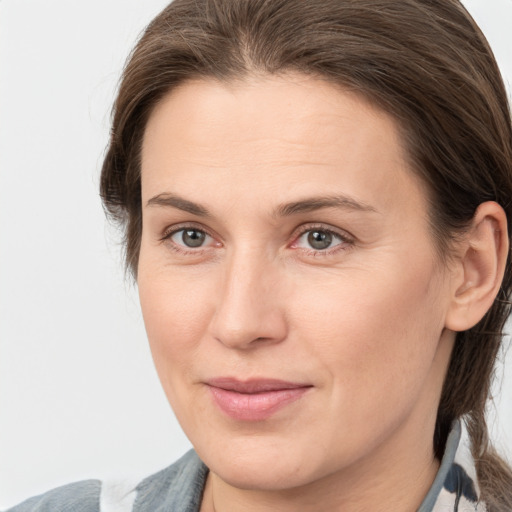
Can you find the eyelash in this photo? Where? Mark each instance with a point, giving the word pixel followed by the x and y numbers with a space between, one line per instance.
pixel 169 233
pixel 346 241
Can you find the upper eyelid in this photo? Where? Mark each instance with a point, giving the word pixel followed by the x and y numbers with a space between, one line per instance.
pixel 175 228
pixel 304 228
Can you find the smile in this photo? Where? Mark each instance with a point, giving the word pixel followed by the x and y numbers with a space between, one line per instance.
pixel 254 400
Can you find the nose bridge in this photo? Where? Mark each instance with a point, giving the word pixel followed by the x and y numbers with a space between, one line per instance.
pixel 247 308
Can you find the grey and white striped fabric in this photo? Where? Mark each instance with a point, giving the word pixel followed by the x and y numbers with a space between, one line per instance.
pixel 455 488
pixel 179 488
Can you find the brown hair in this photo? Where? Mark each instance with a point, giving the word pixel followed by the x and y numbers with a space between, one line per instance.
pixel 425 62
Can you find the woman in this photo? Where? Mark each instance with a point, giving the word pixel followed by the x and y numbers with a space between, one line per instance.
pixel 316 197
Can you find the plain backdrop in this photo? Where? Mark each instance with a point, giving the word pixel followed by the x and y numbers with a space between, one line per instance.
pixel 79 397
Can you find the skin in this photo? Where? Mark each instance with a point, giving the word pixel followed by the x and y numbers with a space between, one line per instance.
pixel 364 322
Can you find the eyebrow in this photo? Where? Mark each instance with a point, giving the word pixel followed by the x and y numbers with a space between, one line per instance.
pixel 284 210
pixel 317 203
pixel 174 201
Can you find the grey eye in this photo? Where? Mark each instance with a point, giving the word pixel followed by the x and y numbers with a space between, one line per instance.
pixel 319 240
pixel 189 237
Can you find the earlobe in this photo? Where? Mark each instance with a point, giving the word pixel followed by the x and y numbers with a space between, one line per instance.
pixel 480 267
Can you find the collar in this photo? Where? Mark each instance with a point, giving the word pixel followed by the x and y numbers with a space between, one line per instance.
pixel 455 488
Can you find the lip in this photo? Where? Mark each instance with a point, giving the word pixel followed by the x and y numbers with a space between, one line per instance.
pixel 254 399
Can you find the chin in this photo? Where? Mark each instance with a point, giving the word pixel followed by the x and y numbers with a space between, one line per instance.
pixel 264 464
pixel 262 476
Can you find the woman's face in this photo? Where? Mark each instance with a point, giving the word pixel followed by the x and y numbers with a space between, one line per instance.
pixel 289 283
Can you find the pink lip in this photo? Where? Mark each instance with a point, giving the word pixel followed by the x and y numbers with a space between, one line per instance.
pixel 255 399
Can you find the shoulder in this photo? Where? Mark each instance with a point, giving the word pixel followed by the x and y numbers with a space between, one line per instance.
pixel 177 487
pixel 77 497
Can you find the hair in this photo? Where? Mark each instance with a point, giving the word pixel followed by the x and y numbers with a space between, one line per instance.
pixel 424 62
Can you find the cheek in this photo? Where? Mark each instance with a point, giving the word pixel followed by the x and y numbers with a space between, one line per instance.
pixel 375 332
pixel 177 309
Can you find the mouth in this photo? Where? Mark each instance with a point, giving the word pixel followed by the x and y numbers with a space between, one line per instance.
pixel 255 399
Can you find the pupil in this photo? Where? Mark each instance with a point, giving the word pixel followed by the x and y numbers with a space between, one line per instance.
pixel 319 239
pixel 193 237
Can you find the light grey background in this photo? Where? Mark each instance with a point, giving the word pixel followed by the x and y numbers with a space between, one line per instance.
pixel 79 397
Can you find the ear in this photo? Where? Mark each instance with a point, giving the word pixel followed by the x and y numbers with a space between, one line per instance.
pixel 479 267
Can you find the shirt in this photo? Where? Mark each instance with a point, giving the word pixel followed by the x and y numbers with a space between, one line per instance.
pixel 179 487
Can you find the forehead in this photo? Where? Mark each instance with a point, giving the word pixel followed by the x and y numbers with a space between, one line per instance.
pixel 267 133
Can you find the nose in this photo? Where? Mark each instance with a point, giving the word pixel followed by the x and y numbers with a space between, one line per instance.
pixel 249 310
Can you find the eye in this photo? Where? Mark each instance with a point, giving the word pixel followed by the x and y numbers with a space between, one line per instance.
pixel 190 237
pixel 319 239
